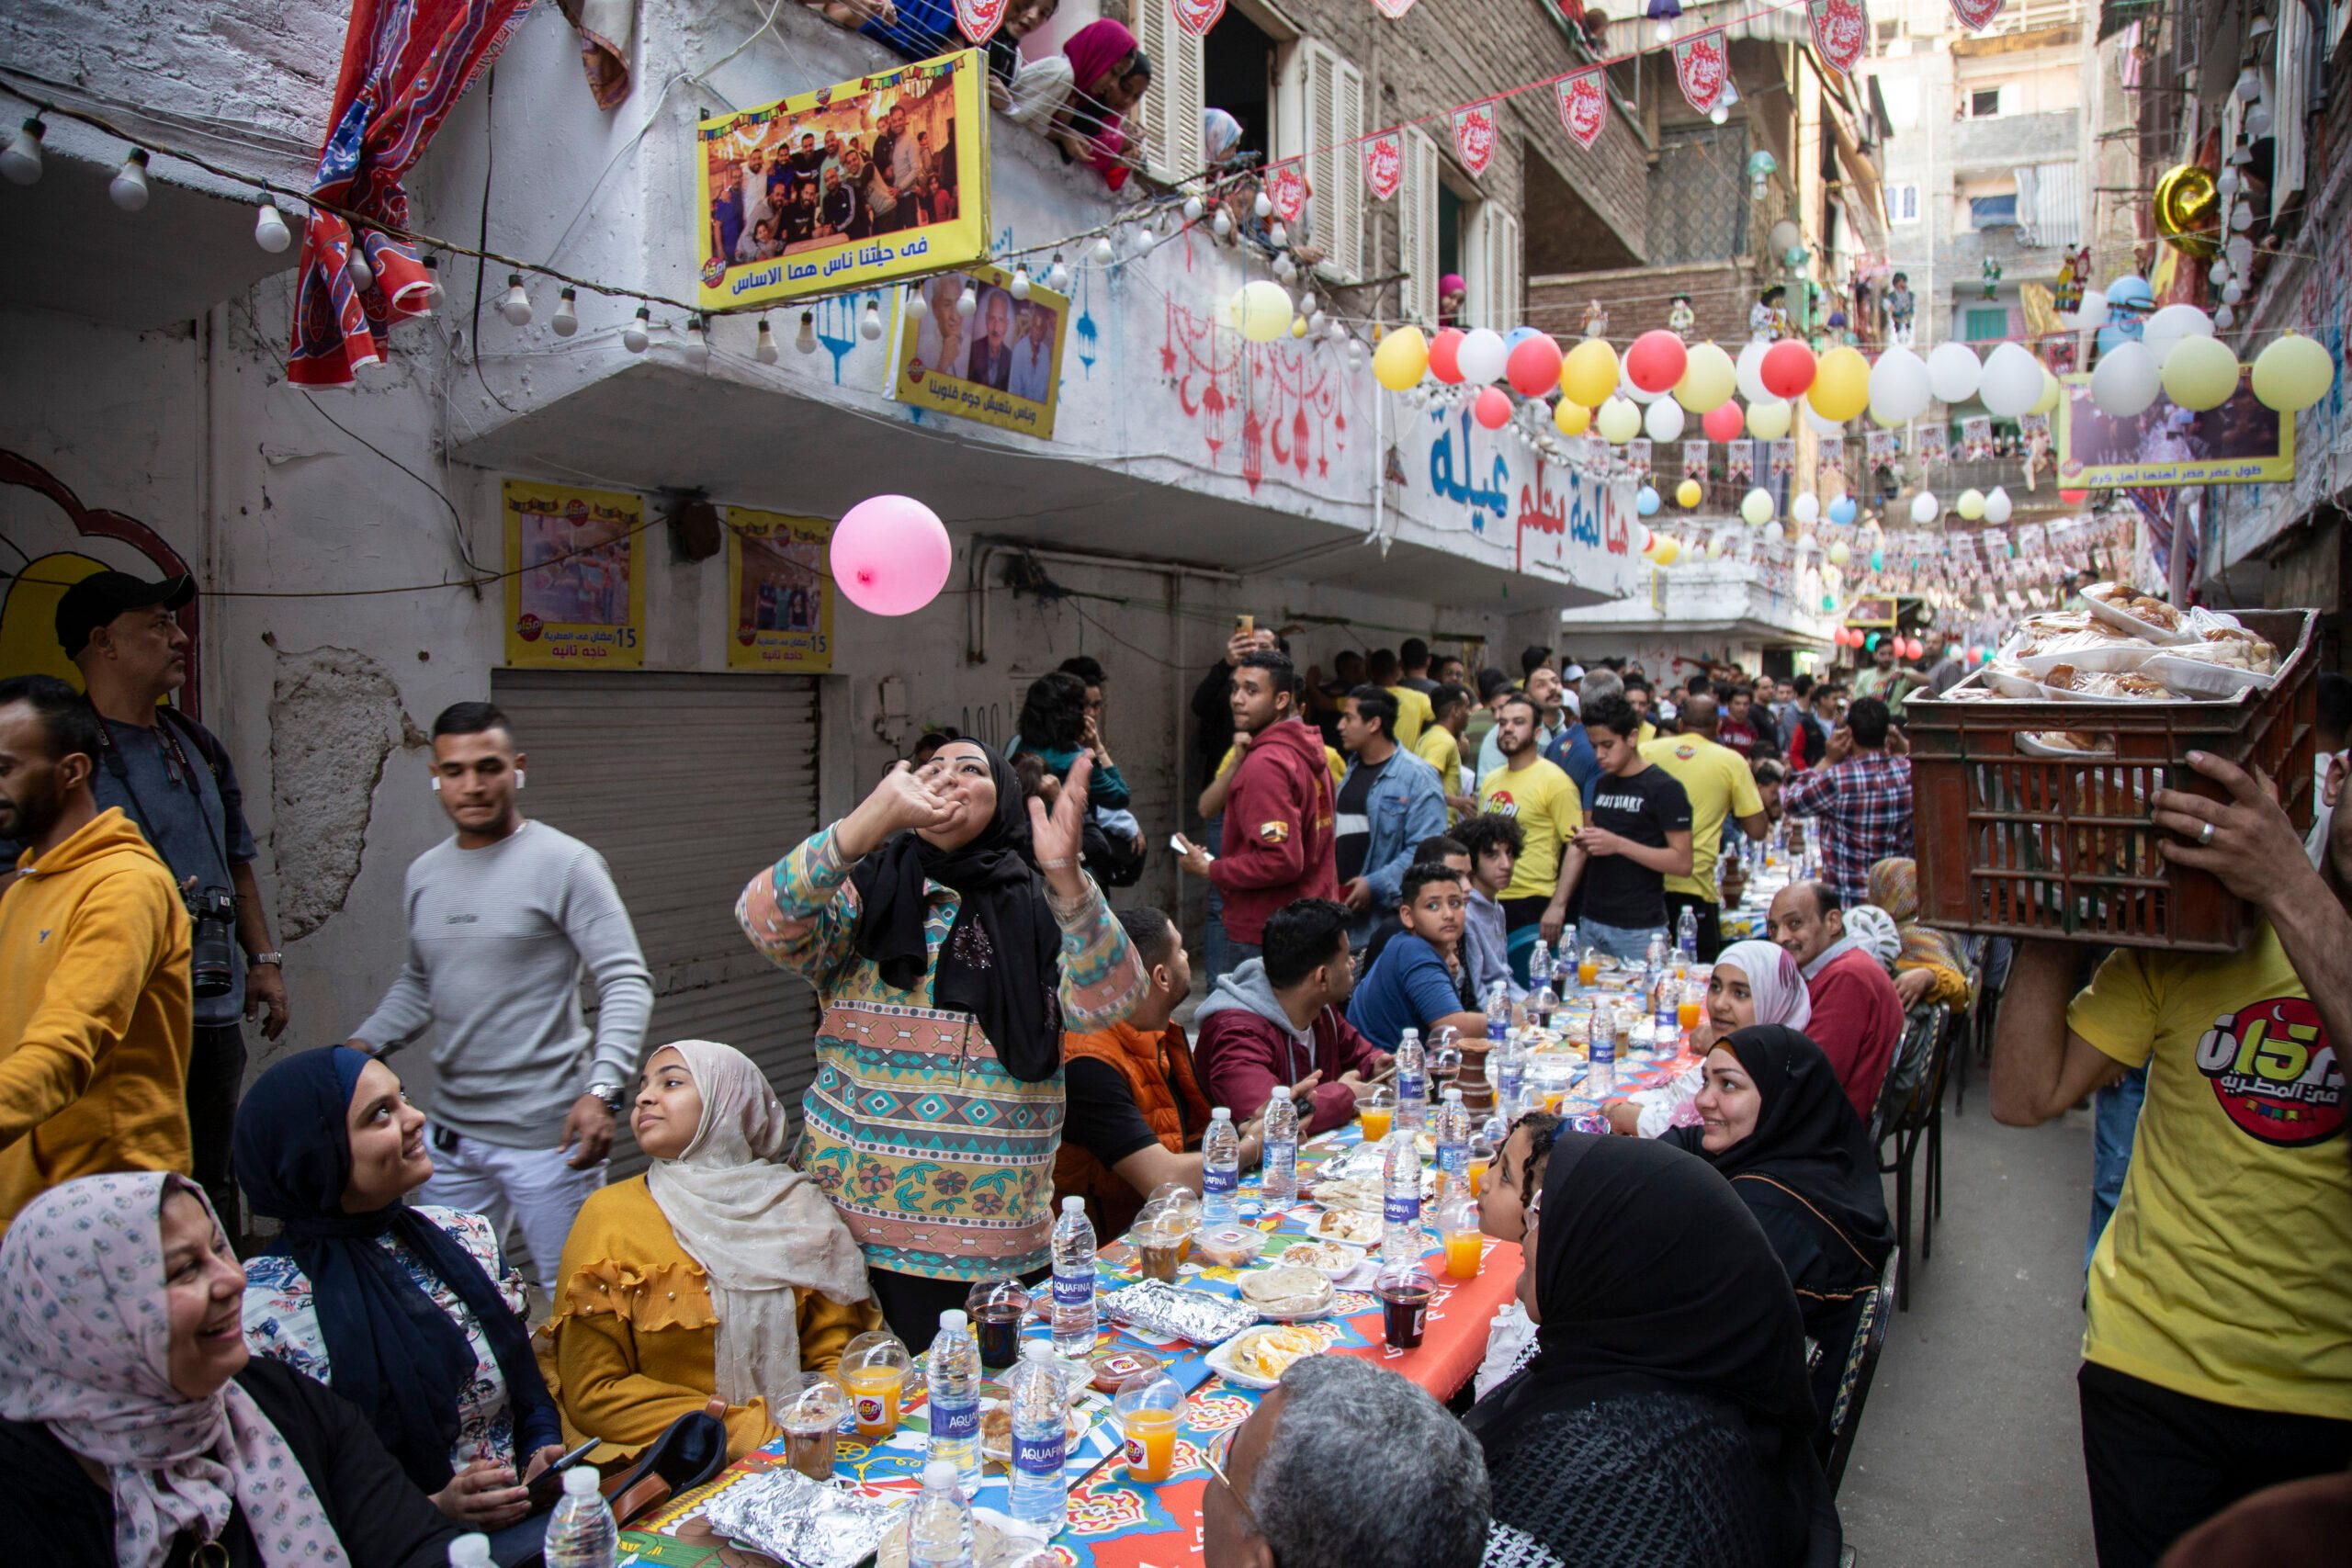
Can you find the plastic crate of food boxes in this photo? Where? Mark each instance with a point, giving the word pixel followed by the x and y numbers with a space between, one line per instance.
pixel 2032 778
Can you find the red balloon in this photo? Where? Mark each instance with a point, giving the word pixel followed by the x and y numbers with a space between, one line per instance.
pixel 1533 368
pixel 1656 361
pixel 1724 424
pixel 1492 409
pixel 1787 369
pixel 2074 497
pixel 1444 351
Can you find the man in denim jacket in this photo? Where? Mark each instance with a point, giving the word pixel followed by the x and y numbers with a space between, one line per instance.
pixel 1389 802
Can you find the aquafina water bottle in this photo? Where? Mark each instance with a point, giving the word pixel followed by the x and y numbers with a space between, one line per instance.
pixel 1412 1082
pixel 1686 938
pixel 1073 1245
pixel 1220 1171
pixel 940 1536
pixel 581 1534
pixel 1040 1440
pixel 951 1383
pixel 1278 1168
pixel 1453 1146
pixel 1400 1206
pixel 1511 1074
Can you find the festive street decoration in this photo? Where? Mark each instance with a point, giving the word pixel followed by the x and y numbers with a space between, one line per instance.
pixel 2012 380
pixel 1584 106
pixel 1723 422
pixel 1786 369
pixel 1656 361
pixel 890 554
pixel 1841 28
pixel 1768 420
pixel 1976 15
pixel 2292 374
pixel 1392 9
pixel 1474 136
pixel 1492 408
pixel 1401 360
pixel 1285 187
pixel 1702 68
pixel 1588 374
pixel 1571 418
pixel 2126 381
pixel 1900 386
pixel 1533 365
pixel 1841 385
pixel 1445 350
pixel 1954 371
pixel 1261 311
pixel 979 19
pixel 1482 356
pixel 1195 16
pixel 1709 378
pixel 2200 372
pixel 1384 166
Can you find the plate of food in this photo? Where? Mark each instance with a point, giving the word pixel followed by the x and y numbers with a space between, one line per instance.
pixel 1229 1247
pixel 2134 613
pixel 996 1430
pixel 1257 1358
pixel 1352 1226
pixel 1367 1194
pixel 1334 1260
pixel 1287 1294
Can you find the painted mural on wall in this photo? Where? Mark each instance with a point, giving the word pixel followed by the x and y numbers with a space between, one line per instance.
pixel 1282 401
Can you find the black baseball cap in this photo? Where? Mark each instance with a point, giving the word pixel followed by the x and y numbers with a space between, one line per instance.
pixel 101 596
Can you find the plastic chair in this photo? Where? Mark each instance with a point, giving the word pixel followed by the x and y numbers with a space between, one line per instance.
pixel 1906 1111
pixel 1861 1362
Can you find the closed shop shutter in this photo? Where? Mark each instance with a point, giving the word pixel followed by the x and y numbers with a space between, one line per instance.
pixel 687 785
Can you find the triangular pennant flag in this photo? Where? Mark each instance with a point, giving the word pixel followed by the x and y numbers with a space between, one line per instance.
pixel 1584 106
pixel 1384 166
pixel 1197 16
pixel 1474 136
pixel 1840 27
pixel 1976 15
pixel 1392 9
pixel 1702 66
pixel 977 19
pixel 1286 188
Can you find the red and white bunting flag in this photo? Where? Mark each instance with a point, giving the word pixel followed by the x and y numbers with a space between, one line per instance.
pixel 977 19
pixel 1976 15
pixel 1384 166
pixel 1474 136
pixel 1286 188
pixel 1584 106
pixel 1702 66
pixel 1197 17
pixel 1840 27
pixel 1392 9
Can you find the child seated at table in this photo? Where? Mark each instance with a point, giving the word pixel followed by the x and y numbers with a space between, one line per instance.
pixel 1419 980
pixel 721 1270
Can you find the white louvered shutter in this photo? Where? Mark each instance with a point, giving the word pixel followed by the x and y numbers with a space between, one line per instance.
pixel 1167 123
pixel 1417 205
pixel 1334 98
pixel 1500 309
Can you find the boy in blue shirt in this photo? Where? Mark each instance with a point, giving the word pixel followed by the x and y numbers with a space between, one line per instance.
pixel 1420 980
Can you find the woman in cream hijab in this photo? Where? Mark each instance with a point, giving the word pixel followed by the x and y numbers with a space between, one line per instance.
pixel 1752 983
pixel 720 1272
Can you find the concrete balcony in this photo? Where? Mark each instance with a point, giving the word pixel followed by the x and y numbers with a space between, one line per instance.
pixel 2003 141
pixel 1738 602
pixel 1961 257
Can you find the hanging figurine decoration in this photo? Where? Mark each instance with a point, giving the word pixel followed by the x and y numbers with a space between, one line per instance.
pixel 1596 320
pixel 1992 278
pixel 2066 295
pixel 1901 307
pixel 1681 317
pixel 1765 318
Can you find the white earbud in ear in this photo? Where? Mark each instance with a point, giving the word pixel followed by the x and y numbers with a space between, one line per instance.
pixel 520 778
pixel 437 784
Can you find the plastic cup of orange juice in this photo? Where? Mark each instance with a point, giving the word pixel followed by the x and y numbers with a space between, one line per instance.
pixel 1588 968
pixel 1147 1405
pixel 1464 1251
pixel 1686 1013
pixel 1377 1114
pixel 874 1371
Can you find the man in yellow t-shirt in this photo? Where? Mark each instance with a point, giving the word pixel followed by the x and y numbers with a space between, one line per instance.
pixel 1441 747
pixel 1413 711
pixel 1545 801
pixel 1721 788
pixel 2218 1347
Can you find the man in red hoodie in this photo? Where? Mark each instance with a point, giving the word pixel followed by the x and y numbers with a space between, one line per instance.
pixel 1278 811
pixel 1857 1013
pixel 1277 1019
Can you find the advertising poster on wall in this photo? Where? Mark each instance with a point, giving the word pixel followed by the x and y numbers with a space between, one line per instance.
pixel 778 591
pixel 845 187
pixel 2240 442
pixel 1003 367
pixel 575 585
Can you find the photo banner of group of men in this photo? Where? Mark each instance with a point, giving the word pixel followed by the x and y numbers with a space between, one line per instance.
pixel 845 187
pixel 1002 366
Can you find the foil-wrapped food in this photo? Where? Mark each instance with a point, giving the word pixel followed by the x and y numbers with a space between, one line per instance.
pixel 801 1522
pixel 1156 1307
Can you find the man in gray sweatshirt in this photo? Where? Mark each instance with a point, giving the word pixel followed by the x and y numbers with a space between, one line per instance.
pixel 501 919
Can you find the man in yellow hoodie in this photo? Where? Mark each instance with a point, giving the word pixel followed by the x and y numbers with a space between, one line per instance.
pixel 96 1017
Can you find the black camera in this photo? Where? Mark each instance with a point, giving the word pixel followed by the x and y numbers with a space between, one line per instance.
pixel 212 960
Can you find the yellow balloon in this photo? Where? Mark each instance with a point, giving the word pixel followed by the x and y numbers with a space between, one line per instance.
pixel 1589 375
pixel 1298 326
pixel 2292 374
pixel 1971 504
pixel 1768 420
pixel 1841 385
pixel 1883 422
pixel 1687 494
pixel 1401 360
pixel 1840 553
pixel 1619 421
pixel 1261 311
pixel 2051 391
pixel 2200 373
pixel 1669 551
pixel 1709 378
pixel 1571 418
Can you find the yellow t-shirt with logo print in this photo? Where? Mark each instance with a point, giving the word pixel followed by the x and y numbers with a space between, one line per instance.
pixel 2224 1274
pixel 1720 787
pixel 1544 800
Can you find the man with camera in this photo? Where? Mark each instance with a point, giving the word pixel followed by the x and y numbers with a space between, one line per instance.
pixel 171 777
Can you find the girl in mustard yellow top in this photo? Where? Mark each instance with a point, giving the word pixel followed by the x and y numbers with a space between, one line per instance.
pixel 720 1272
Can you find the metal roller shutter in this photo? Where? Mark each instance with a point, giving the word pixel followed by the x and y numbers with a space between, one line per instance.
pixel 687 785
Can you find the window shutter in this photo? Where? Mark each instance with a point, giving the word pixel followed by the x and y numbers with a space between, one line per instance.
pixel 1500 309
pixel 1334 101
pixel 1167 123
pixel 1417 230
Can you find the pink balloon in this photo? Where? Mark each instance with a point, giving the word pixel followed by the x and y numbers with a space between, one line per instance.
pixel 1656 361
pixel 1492 409
pixel 1444 350
pixel 1787 369
pixel 891 554
pixel 1724 422
pixel 1533 368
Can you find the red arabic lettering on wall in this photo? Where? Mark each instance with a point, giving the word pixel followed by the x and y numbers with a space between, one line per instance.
pixel 1289 401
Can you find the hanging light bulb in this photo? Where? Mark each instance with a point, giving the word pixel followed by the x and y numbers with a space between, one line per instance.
pixel 1306 303
pixel 696 342
pixel 2225 317
pixel 869 325
pixel 1720 114
pixel 967 303
pixel 363 276
pixel 435 297
pixel 2258 120
pixel 806 340
pixel 516 305
pixel 2232 293
pixel 270 231
pixel 1105 252
pixel 1285 268
pixel 2242 154
pixel 639 331
pixel 1147 237
pixel 1315 323
pixel 1355 351
pixel 21 162
pixel 128 186
pixel 2249 86
pixel 2240 250
pixel 1264 206
pixel 1020 281
pixel 566 320
pixel 1280 236
pixel 2218 274
pixel 2228 184
pixel 1338 332
pixel 763 349
pixel 1193 207
pixel 1222 225
pixel 917 307
pixel 2241 218
pixel 1057 274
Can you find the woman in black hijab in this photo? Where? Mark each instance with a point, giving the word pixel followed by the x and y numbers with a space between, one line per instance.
pixel 1773 1120
pixel 1665 1417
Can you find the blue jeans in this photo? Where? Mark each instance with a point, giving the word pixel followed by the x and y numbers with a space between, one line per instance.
pixel 1619 941
pixel 2115 1124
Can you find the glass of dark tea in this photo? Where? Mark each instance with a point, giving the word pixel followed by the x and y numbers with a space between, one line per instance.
pixel 997 1308
pixel 1404 1291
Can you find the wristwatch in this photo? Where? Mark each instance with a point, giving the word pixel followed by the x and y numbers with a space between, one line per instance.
pixel 609 1092
pixel 275 960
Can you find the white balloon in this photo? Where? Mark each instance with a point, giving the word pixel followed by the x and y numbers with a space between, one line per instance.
pixel 1747 371
pixel 2012 382
pixel 1925 507
pixel 1818 425
pixel 2126 381
pixel 1664 421
pixel 2171 324
pixel 1481 356
pixel 1999 506
pixel 2093 311
pixel 1806 508
pixel 1954 371
pixel 1901 385
pixel 1625 389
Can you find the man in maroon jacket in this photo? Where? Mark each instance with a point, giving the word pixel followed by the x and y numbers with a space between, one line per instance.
pixel 1278 811
pixel 1857 1014
pixel 1277 1019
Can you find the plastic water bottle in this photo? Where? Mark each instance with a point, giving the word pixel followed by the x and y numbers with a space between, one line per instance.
pixel 1278 1168
pixel 1220 1171
pixel 951 1377
pixel 1400 1204
pixel 1542 1000
pixel 1453 1146
pixel 581 1534
pixel 941 1533
pixel 1600 1076
pixel 1659 955
pixel 1040 1490
pixel 1412 1082
pixel 1509 1062
pixel 1665 999
pixel 1686 937
pixel 1074 1245
pixel 470 1551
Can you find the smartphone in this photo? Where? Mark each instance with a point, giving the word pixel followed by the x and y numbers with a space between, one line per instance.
pixel 1245 624
pixel 548 1485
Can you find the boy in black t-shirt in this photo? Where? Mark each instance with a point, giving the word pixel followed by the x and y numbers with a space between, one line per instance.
pixel 1637 833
